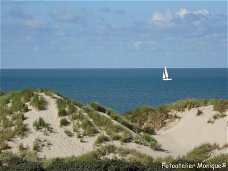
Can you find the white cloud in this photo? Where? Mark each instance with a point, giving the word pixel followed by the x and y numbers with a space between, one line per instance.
pixel 160 19
pixel 182 12
pixel 201 12
pixel 170 19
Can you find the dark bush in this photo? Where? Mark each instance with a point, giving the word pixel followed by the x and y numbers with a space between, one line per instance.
pixel 98 107
pixel 64 122
pixel 96 165
pixel 18 164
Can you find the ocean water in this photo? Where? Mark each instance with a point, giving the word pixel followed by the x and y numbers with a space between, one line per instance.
pixel 121 89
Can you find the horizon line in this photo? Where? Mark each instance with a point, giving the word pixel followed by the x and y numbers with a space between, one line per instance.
pixel 120 68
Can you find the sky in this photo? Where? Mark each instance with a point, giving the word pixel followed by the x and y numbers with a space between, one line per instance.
pixel 113 34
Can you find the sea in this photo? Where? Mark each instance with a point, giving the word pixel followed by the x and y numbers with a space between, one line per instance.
pixel 121 89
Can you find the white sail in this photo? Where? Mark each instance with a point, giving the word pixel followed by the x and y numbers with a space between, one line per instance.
pixel 163 75
pixel 166 73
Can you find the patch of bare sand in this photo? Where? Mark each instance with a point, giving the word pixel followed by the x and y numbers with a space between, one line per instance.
pixel 192 131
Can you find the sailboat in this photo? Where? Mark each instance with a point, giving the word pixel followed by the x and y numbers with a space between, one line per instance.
pixel 165 76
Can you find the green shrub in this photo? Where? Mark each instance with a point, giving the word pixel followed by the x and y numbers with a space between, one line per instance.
pixel 40 124
pixel 2 93
pixel 126 136
pixel 218 159
pixel 19 164
pixel 115 136
pixel 220 105
pixel 18 105
pixel 201 153
pixel 101 139
pixel 64 122
pixel 149 130
pixel 146 139
pixel 62 112
pixel 6 134
pixel 38 102
pixel 98 107
pixel 71 108
pixel 27 94
pixel 115 116
pixel 88 127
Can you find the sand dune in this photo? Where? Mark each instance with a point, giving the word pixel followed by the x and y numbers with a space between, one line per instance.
pixel 192 130
pixel 177 138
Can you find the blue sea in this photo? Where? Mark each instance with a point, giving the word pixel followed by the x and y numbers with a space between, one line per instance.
pixel 121 89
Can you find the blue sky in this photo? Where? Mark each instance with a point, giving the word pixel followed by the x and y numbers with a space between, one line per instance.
pixel 80 34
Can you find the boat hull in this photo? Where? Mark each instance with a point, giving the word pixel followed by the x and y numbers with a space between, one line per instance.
pixel 167 79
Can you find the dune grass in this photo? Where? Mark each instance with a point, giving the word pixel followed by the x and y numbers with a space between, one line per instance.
pixel 154 119
pixel 41 124
pixel 112 114
pixel 101 139
pixel 38 102
pixel 88 127
pixel 201 153
pixel 147 140
pixel 106 124
pixel 82 124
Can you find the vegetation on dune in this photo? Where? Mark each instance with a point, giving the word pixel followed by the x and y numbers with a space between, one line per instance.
pixel 114 131
pixel 199 112
pixel 201 153
pixel 215 117
pixel 41 124
pixel 38 102
pixel 101 139
pixel 219 105
pixel 82 125
pixel 147 118
pixel 98 107
pixel 122 159
pixel 67 106
pixel 147 140
pixel 12 108
pixel 2 93
pixel 64 122
pixel 114 115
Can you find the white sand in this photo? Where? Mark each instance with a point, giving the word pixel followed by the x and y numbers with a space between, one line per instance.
pixel 192 131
